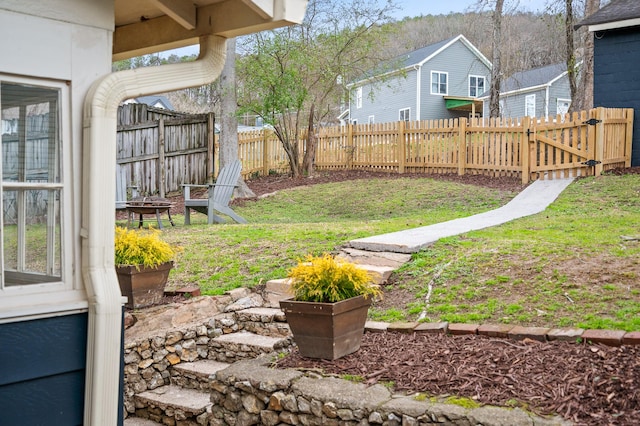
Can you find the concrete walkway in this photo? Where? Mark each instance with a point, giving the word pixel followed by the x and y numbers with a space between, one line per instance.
pixel 533 199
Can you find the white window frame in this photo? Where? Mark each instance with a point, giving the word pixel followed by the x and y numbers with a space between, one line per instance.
pixel 560 101
pixel 530 105
pixel 34 300
pixel 404 114
pixel 371 119
pixel 439 73
pixel 359 97
pixel 484 85
pixel 354 121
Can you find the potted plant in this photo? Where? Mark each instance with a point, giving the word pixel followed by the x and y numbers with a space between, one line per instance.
pixel 143 262
pixel 329 309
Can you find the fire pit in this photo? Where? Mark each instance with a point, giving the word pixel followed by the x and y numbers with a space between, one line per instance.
pixel 148 205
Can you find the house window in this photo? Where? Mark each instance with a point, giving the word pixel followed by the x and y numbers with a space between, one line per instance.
pixel 476 86
pixel 563 106
pixel 371 119
pixel 405 114
pixel 32 208
pixel 530 106
pixel 439 83
pixel 359 97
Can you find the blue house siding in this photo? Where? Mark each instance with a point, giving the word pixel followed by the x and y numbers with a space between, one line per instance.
pixel 43 371
pixel 617 76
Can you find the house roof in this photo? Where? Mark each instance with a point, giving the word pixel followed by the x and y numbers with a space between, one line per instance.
pixel 420 56
pixel 155 100
pixel 148 26
pixel 617 14
pixel 533 77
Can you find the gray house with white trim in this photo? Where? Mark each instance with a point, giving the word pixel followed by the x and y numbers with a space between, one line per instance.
pixel 539 92
pixel 442 80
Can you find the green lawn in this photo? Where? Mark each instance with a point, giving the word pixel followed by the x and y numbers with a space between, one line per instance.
pixel 568 266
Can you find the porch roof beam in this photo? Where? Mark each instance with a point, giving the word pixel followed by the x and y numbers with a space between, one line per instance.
pixel 225 19
pixel 181 11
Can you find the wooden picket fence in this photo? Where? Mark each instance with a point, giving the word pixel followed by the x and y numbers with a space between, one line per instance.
pixel 579 144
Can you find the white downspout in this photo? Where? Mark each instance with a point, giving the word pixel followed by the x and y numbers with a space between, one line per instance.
pixel 98 218
pixel 418 90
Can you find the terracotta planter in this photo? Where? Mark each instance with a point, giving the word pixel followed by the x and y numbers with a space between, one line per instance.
pixel 327 330
pixel 143 287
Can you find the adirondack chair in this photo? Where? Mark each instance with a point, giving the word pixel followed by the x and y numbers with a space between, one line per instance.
pixel 218 196
pixel 122 190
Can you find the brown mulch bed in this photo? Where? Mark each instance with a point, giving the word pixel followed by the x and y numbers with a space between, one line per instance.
pixel 588 384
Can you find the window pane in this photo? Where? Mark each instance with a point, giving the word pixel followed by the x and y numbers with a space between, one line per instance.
pixel 31 238
pixel 31 231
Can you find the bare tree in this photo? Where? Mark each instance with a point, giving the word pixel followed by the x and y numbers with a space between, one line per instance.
pixel 586 88
pixel 228 118
pixel 496 69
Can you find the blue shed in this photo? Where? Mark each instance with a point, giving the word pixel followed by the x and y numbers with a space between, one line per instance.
pixel 616 75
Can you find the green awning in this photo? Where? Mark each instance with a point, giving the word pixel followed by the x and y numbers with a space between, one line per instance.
pixel 457 103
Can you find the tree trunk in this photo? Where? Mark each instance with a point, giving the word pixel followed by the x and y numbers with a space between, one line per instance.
pixel 576 101
pixel 587 60
pixel 310 152
pixel 228 119
pixel 496 70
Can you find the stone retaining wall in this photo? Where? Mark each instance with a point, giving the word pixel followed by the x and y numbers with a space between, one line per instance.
pixel 148 358
pixel 252 393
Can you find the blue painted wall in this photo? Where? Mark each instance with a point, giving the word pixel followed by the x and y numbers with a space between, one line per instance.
pixel 616 72
pixel 42 371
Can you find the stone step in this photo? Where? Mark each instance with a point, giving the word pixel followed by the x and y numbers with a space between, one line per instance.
pixel 264 321
pixel 275 291
pixel 243 345
pixel 137 421
pixel 381 258
pixel 170 404
pixel 195 375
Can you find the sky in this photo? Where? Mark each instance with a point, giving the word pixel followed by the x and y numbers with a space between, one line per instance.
pixel 411 8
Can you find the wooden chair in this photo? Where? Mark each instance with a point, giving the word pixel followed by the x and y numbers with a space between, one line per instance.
pixel 218 196
pixel 124 193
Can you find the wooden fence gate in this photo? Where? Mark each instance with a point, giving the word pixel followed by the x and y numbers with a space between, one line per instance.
pixel 583 144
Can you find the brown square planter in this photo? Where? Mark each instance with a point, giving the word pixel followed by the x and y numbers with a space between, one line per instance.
pixel 144 287
pixel 327 330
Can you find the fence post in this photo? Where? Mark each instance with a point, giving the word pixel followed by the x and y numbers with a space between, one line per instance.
pixel 351 145
pixel 462 146
pixel 402 158
pixel 599 153
pixel 524 150
pixel 628 138
pixel 211 146
pixel 161 168
pixel 265 152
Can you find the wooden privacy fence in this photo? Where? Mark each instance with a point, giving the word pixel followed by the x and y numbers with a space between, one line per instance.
pixel 161 154
pixel 159 150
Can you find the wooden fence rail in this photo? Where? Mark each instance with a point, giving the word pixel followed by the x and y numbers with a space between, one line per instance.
pixel 579 144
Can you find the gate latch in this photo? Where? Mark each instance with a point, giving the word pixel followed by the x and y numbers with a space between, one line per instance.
pixel 591 163
pixel 592 121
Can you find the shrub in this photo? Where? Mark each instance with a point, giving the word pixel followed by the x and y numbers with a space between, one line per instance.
pixel 326 279
pixel 137 247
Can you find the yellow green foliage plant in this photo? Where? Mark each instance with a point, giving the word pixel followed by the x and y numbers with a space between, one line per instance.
pixel 141 247
pixel 326 279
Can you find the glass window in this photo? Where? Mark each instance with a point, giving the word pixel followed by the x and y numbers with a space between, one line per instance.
pixel 372 119
pixel 530 106
pixel 476 86
pixel 359 97
pixel 438 83
pixel 563 106
pixel 31 244
pixel 405 114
